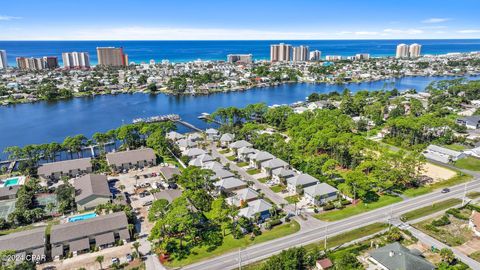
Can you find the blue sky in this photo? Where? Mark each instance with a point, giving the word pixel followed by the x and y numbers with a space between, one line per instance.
pixel 237 20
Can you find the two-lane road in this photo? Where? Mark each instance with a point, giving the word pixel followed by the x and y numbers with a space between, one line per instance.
pixel 261 251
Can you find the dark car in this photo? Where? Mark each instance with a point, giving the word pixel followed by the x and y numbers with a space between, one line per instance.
pixel 445 190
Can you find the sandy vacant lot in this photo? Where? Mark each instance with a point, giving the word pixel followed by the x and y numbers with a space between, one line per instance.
pixel 437 173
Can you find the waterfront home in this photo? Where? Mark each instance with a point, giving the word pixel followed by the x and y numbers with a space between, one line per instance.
pixel 320 193
pixel 442 154
pixel 222 174
pixel 175 136
pixel 280 175
pixel 91 190
pixel 195 137
pixel 394 256
pixel 300 109
pixel 67 168
pixel 272 164
pixel 80 236
pixel 244 152
pixel 470 122
pixel 212 134
pixel 8 193
pixel 260 207
pixel 258 158
pixel 194 152
pixel 230 184
pixel 226 139
pixel 184 144
pixel 239 144
pixel 28 242
pixel 474 223
pixel 201 160
pixel 318 104
pixel 243 196
pixel 300 181
pixel 133 159
pixel 169 173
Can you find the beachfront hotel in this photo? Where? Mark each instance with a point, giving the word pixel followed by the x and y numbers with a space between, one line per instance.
pixel 239 58
pixel 111 56
pixel 46 62
pixel 402 51
pixel 315 55
pixel 73 60
pixel 408 51
pixel 280 52
pixel 3 59
pixel 414 50
pixel 300 53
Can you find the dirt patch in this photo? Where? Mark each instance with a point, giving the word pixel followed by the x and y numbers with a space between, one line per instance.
pixel 470 246
pixel 437 173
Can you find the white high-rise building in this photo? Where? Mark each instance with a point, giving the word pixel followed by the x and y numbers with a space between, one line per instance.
pixel 402 51
pixel 76 60
pixel 300 53
pixel 239 58
pixel 280 52
pixel 3 59
pixel 315 55
pixel 414 50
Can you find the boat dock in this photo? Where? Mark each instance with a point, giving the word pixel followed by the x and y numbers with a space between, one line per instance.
pixel 188 125
pixel 208 117
pixel 158 118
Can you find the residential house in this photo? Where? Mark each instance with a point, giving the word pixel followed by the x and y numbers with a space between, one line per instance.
pixel 91 190
pixel 194 152
pixel 169 173
pixel 28 242
pixel 201 160
pixel 214 166
pixel 320 193
pixel 222 174
pixel 258 158
pixel 244 152
pixel 80 236
pixel 185 144
pixel 212 134
pixel 239 144
pixel 8 193
pixel 272 164
pixel 195 137
pixel 300 181
pixel 230 184
pixel 133 159
pixel 280 175
pixel 67 168
pixel 324 264
pixel 169 194
pixel 442 154
pixel 243 196
pixel 175 136
pixel 260 207
pixel 474 223
pixel 226 139
pixel 300 109
pixel 471 122
pixel 394 256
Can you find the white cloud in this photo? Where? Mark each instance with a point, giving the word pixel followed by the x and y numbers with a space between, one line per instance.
pixel 403 31
pixel 469 31
pixel 435 20
pixel 8 18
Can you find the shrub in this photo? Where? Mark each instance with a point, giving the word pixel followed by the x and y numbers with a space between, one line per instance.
pixel 268 226
pixel 328 207
pixel 456 213
pixel 441 221
pixel 432 228
pixel 275 222
pixel 256 231
pixel 346 202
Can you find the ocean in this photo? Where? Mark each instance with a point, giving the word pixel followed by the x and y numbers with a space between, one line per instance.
pixel 182 51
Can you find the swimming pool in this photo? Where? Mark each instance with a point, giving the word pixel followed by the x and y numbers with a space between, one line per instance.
pixel 82 217
pixel 13 181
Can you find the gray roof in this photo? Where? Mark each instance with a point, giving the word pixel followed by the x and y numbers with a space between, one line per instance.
pixel 173 135
pixel 222 173
pixel 169 195
pixel 262 156
pixel 319 189
pixel 65 166
pixel 397 257
pixel 168 172
pixel 186 143
pixel 89 227
pixel 443 150
pixel 302 179
pixel 200 160
pixel 8 191
pixel 213 165
pixel 132 156
pixel 282 172
pixel 194 152
pixel 471 120
pixel 246 194
pixel 211 131
pixel 230 183
pixel 104 239
pixel 240 144
pixel 23 240
pixel 80 244
pixel 274 163
pixel 246 150
pixel 91 185
pixel 194 136
pixel 227 137
pixel 254 207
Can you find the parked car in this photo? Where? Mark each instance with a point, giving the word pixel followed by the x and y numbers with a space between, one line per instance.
pixel 129 257
pixel 445 190
pixel 115 260
pixel 147 203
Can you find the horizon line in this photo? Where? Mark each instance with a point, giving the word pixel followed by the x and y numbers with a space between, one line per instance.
pixel 326 39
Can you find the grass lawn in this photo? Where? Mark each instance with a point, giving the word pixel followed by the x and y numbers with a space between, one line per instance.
pixel 292 199
pixel 468 163
pixel 264 180
pixel 361 207
pixel 460 178
pixel 230 244
pixel 231 158
pixel 473 194
pixel 253 171
pixel 18 229
pixel 242 164
pixel 455 147
pixel 427 210
pixel 475 256
pixel 223 152
pixel 277 188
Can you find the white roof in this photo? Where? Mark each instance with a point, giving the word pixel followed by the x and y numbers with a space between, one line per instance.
pixel 211 131
pixel 443 150
pixel 240 144
pixel 193 152
pixel 229 183
pixel 173 135
pixel 319 189
pixel 262 156
pixel 227 137
pixel 200 160
pixel 254 207
pixel 301 179
pixel 274 163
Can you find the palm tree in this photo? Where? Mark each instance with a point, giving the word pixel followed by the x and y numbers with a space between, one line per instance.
pixel 100 259
pixel 136 245
pixel 131 227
